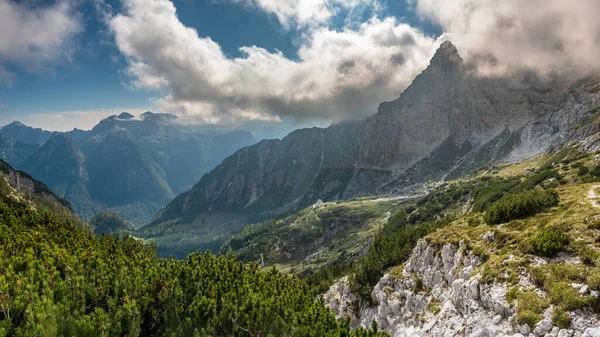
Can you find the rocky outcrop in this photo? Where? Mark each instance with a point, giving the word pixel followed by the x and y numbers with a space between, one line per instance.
pixel 439 294
pixel 18 186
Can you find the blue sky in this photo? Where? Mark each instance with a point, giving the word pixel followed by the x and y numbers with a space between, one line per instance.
pixel 93 79
pixel 270 64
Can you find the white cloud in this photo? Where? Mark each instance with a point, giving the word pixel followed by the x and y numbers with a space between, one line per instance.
pixel 67 120
pixel 338 74
pixel 310 12
pixel 508 36
pixel 33 38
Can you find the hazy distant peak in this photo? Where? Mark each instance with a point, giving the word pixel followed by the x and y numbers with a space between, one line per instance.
pixel 16 123
pixel 125 115
pixel 151 116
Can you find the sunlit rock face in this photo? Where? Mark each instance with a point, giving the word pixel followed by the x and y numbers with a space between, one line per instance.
pixel 447 100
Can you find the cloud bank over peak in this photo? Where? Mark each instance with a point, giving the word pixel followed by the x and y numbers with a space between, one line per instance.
pixel 34 38
pixel 344 73
pixel 339 74
pixel 500 37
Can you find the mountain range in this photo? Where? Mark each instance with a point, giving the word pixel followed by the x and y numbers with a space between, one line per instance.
pixel 131 165
pixel 449 122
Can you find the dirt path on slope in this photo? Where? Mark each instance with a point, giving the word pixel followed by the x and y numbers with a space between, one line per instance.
pixel 593 197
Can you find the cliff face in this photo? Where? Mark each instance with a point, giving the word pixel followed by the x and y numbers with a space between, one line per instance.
pixel 19 187
pixel 447 101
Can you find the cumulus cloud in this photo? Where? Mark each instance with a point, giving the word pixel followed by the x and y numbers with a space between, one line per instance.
pixel 310 12
pixel 501 37
pixel 33 38
pixel 337 75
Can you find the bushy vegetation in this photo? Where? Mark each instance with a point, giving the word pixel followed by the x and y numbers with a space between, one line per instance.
pixel 56 280
pixel 556 279
pixel 520 205
pixel 549 242
pixel 109 222
pixel 583 170
pixel 560 318
pixel 529 307
pixel 490 190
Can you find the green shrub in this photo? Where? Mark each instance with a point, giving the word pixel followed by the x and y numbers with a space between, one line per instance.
pixel 488 275
pixel 474 222
pixel 560 318
pixel 529 307
pixel 531 301
pixel 589 256
pixel 538 275
pixel 511 294
pixel 549 242
pixel 520 205
pixel 528 317
pixel 583 170
pixel 418 285
pixel 595 172
pixel 434 305
pixel 593 281
pixel 485 193
pixel 561 293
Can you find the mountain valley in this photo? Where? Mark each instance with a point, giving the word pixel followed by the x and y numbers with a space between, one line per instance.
pixel 129 165
pixel 453 122
pixel 466 207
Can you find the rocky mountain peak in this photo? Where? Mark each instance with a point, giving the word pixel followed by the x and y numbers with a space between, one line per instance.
pixel 446 58
pixel 156 117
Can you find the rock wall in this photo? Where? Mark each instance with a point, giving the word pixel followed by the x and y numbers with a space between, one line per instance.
pixel 439 294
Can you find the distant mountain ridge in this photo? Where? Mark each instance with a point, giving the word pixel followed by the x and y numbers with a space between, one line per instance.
pixel 447 122
pixel 131 165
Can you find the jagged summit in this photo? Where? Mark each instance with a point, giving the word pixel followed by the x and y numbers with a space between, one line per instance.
pixel 447 58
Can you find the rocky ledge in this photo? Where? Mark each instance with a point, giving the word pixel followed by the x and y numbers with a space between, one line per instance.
pixel 439 293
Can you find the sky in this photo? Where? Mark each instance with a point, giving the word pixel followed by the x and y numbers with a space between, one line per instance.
pixel 269 66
